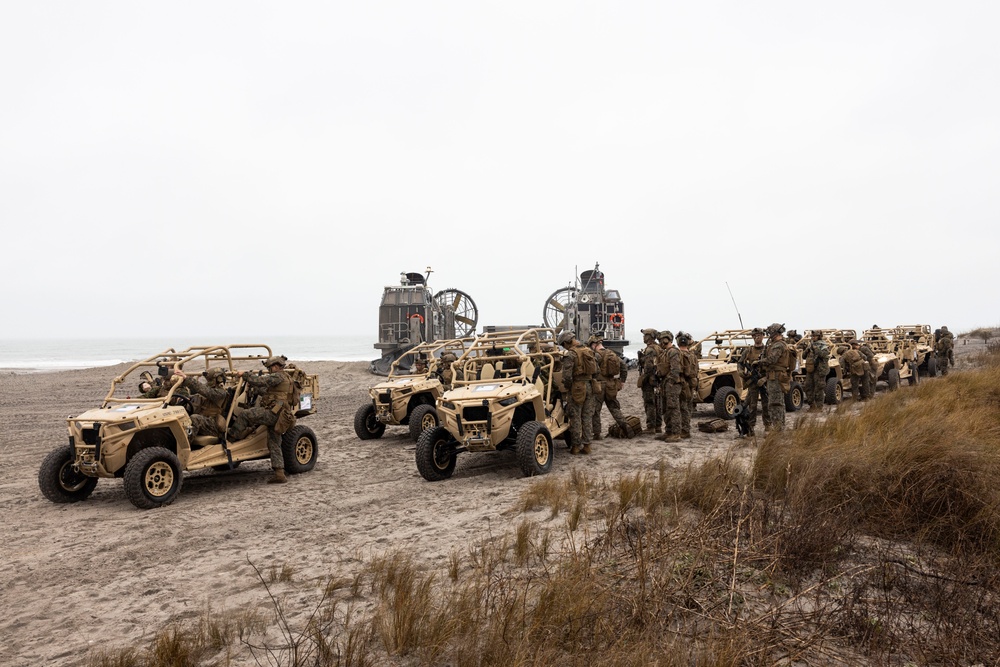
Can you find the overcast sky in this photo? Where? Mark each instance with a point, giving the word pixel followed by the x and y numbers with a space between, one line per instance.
pixel 242 168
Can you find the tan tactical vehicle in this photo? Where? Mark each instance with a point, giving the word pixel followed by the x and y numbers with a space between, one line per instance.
pixel 505 396
pixel 836 384
pixel 408 397
pixel 894 357
pixel 150 442
pixel 923 339
pixel 720 380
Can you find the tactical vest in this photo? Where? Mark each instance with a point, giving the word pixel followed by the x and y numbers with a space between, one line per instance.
pixel 663 363
pixel 785 362
pixel 275 398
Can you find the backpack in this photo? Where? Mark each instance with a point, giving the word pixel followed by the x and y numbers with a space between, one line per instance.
pixel 633 427
pixel 586 364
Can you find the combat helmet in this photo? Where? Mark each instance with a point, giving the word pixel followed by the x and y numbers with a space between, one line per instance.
pixel 775 329
pixel 683 338
pixel 648 332
pixel 757 331
pixel 595 338
pixel 278 359
pixel 665 336
pixel 215 375
pixel 565 338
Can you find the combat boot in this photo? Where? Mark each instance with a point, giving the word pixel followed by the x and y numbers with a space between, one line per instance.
pixel 586 448
pixel 279 477
pixel 670 437
pixel 574 449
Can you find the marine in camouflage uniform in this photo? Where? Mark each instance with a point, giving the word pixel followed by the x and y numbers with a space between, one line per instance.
pixel 273 411
pixel 647 382
pixel 579 394
pixel 751 358
pixel 871 368
pixel 775 364
pixel 668 371
pixel 689 382
pixel 852 362
pixel 208 418
pixel 611 374
pixel 944 352
pixel 817 360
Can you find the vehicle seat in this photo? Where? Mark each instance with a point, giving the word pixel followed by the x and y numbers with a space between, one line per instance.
pixel 487 372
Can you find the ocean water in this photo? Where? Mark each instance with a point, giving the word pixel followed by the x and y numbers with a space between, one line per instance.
pixel 56 354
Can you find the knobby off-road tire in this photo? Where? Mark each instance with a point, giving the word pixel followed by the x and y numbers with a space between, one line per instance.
pixel 299 449
pixel 931 367
pixel 152 478
pixel 436 454
pixel 914 375
pixel 794 397
pixel 422 418
pixel 534 449
pixel 59 482
pixel 726 400
pixel 365 425
pixel 892 379
pixel 834 391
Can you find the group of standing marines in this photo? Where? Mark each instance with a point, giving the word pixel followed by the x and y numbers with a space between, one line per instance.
pixel 668 378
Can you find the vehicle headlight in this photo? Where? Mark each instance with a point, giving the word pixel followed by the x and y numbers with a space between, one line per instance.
pixel 448 405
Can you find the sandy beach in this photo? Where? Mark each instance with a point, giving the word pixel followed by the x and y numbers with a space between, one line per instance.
pixel 101 572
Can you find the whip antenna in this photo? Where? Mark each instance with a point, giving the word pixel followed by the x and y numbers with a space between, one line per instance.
pixel 735 306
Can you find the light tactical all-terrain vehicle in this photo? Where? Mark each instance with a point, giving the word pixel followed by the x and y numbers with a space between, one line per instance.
pixel 720 380
pixel 837 342
pixel 895 358
pixel 150 442
pixel 505 396
pixel 409 396
pixel 923 340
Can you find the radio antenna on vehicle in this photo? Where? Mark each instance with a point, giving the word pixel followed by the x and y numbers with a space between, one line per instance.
pixel 735 306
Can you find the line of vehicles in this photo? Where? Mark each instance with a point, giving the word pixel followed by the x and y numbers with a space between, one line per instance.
pixel 501 389
pixel 902 353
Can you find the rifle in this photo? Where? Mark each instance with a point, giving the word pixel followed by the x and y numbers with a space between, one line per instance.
pixel 743 425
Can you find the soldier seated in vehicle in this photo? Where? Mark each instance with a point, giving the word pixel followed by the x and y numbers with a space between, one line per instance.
pixel 207 418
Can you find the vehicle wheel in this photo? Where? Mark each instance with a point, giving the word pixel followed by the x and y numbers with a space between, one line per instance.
pixel 794 397
pixel 534 449
pixel 365 425
pixel 422 418
pixel 436 454
pixel 834 391
pixel 299 450
pixel 726 400
pixel 58 480
pixel 931 367
pixel 152 478
pixel 914 375
pixel 892 379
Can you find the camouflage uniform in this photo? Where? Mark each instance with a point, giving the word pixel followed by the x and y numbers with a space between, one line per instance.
pixel 578 392
pixel 868 388
pixel 752 357
pixel 277 388
pixel 775 364
pixel 668 370
pixel 944 352
pixel 817 361
pixel 611 374
pixel 852 363
pixel 689 384
pixel 647 381
pixel 208 419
